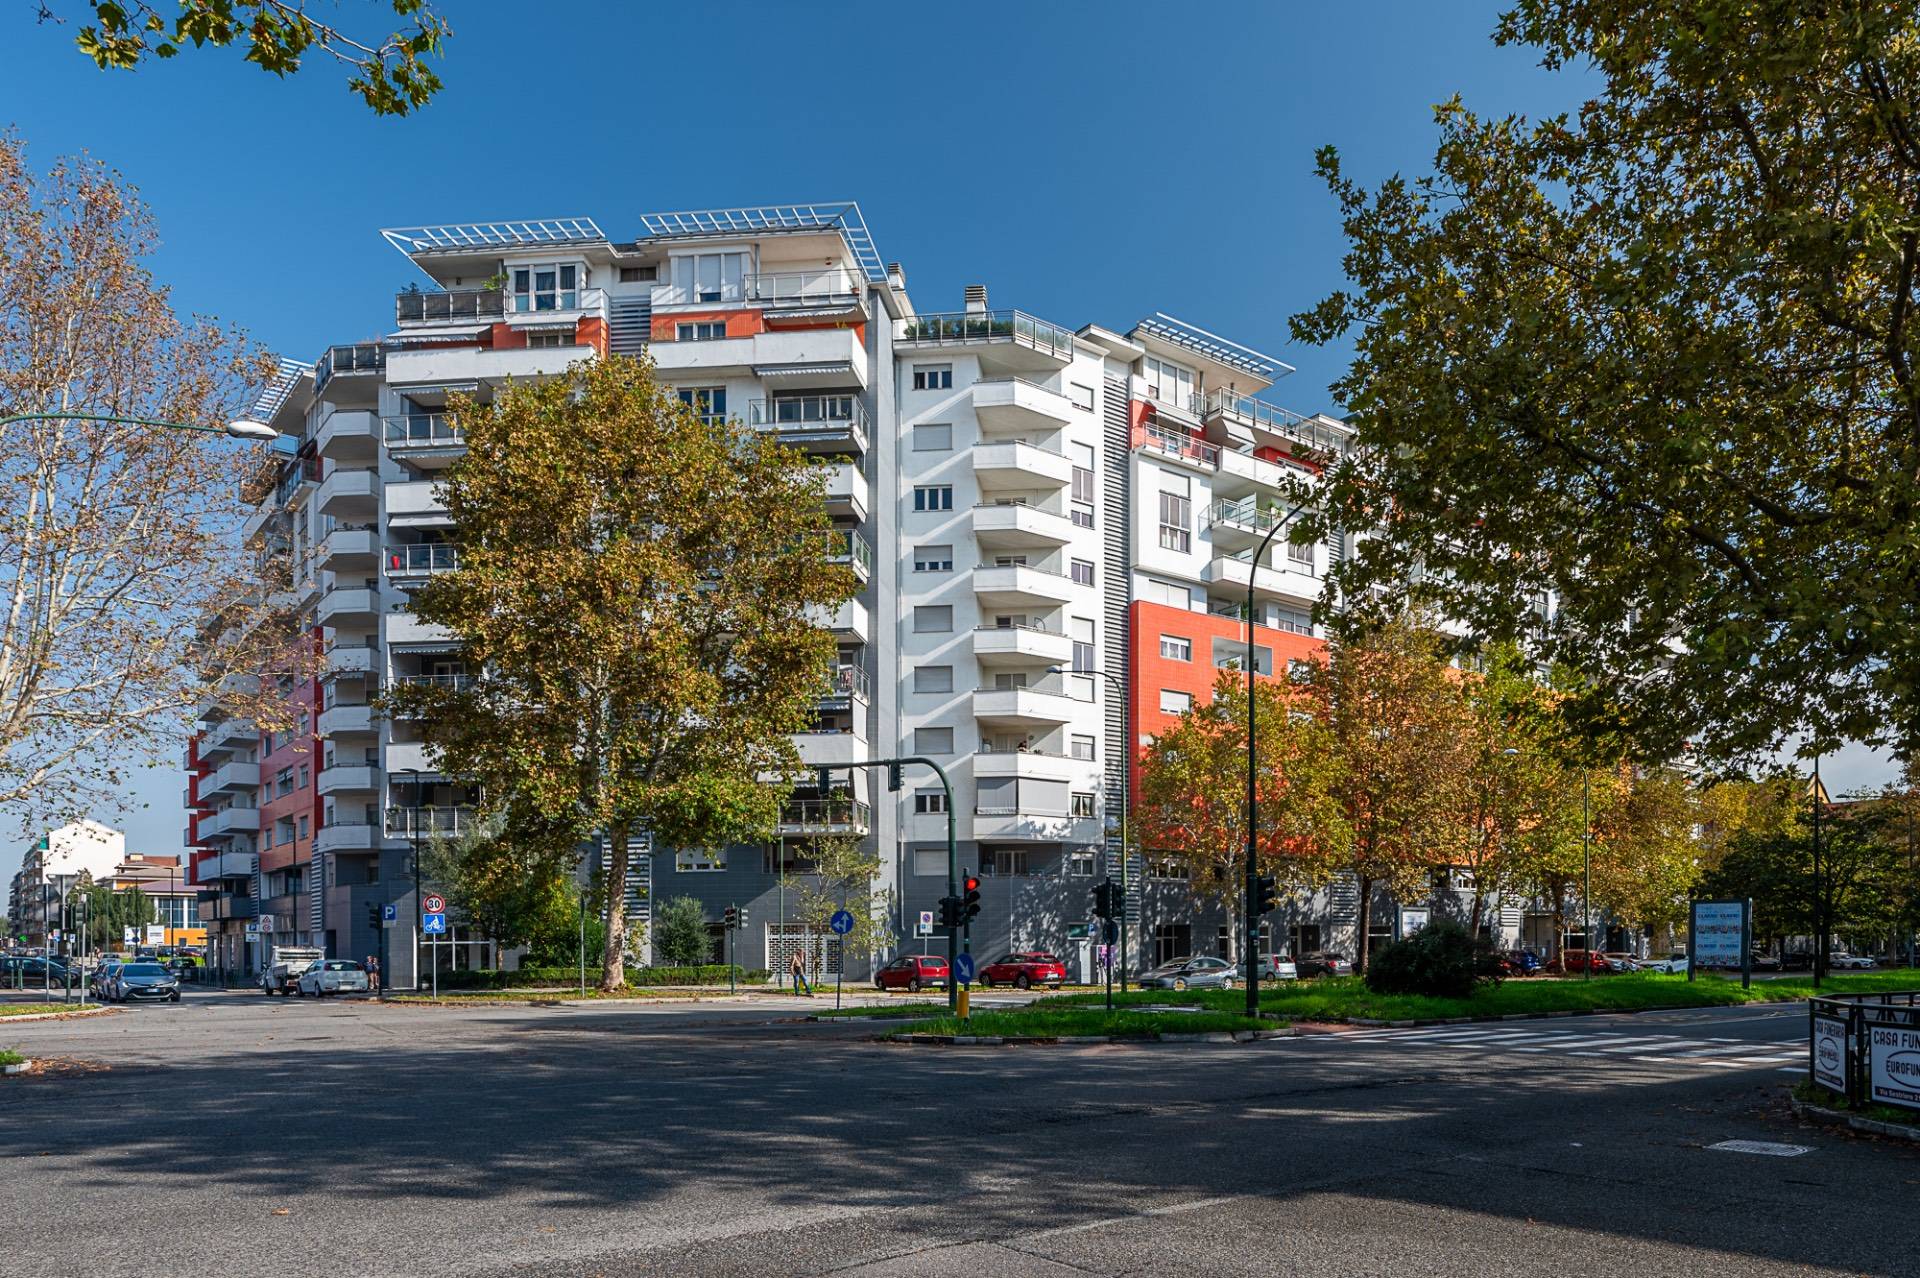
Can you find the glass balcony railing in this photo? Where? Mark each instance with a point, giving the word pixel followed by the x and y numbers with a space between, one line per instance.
pixel 1177 443
pixel 1275 420
pixel 408 561
pixel 844 546
pixel 451 682
pixel 806 815
pixel 840 415
pixel 364 357
pixel 1243 514
pixel 542 301
pixel 967 327
pixel 425 822
pixel 422 430
pixel 416 307
pixel 833 286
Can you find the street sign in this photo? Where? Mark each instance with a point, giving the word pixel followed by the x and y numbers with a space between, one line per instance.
pixel 266 923
pixel 156 934
pixel 1893 1071
pixel 841 922
pixel 926 924
pixel 389 916
pixel 1830 1053
pixel 253 929
pixel 963 968
pixel 434 904
pixel 1079 931
pixel 128 934
pixel 433 924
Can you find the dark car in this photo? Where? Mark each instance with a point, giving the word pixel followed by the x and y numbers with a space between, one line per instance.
pixel 1765 962
pixel 912 972
pixel 1324 963
pixel 1024 969
pixel 34 973
pixel 145 981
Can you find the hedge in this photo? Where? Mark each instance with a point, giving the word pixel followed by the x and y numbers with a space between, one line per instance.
pixel 489 979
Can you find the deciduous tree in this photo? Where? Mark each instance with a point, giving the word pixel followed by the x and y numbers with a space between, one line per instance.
pixel 844 871
pixel 680 932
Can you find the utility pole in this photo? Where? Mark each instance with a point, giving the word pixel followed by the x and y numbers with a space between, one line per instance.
pixel 1586 866
pixel 1817 793
pixel 1118 688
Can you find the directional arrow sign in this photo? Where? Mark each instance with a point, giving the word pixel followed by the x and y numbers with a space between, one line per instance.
pixel 963 968
pixel 841 922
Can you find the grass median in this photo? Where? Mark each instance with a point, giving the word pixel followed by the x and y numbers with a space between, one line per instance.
pixel 631 994
pixel 36 1009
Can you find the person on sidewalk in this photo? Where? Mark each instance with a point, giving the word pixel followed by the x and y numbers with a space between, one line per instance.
pixel 799 969
pixel 373 975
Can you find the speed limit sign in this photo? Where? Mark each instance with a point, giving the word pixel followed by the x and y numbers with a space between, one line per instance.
pixel 434 904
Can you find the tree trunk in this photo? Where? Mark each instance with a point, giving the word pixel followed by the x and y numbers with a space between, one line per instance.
pixel 1479 903
pixel 1366 923
pixel 613 971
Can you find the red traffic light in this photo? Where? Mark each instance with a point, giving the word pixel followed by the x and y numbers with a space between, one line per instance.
pixel 970 884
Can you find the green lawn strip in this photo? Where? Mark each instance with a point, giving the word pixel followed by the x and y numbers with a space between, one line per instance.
pixel 630 994
pixel 1347 998
pixel 30 1009
pixel 1051 1020
pixel 1814 1094
pixel 884 1010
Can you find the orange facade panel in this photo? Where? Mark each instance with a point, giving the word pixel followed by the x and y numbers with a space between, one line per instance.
pixel 739 323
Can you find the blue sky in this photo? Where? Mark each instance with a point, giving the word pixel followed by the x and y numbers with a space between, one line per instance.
pixel 1088 162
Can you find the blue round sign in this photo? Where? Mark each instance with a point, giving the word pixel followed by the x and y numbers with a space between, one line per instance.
pixel 963 968
pixel 841 922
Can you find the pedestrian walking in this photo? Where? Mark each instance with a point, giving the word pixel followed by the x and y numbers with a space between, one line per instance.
pixel 799 969
pixel 373 974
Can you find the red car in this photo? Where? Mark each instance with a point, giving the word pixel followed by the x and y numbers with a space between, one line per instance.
pixel 912 972
pixel 1580 962
pixel 1023 970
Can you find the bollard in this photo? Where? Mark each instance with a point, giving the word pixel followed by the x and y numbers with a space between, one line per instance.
pixel 965 993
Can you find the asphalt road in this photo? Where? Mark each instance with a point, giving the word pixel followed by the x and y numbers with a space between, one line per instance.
pixel 237 1136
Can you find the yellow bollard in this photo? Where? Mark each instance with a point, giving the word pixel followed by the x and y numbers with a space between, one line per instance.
pixel 965 994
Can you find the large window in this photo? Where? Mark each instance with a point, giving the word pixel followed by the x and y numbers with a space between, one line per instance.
pixel 1168 382
pixel 933 437
pixel 933 678
pixel 933 497
pixel 546 288
pixel 709 277
pixel 1176 513
pixel 1172 702
pixel 1004 861
pixel 1172 941
pixel 1300 557
pixel 1082 631
pixel 709 403
pixel 701 331
pixel 929 802
pixel 933 740
pixel 1083 473
pixel 700 860
pixel 933 619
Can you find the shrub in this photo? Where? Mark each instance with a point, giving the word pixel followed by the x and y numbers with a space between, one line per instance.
pixel 1440 960
pixel 567 976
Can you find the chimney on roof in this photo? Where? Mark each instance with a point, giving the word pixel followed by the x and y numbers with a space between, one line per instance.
pixel 976 299
pixel 897 277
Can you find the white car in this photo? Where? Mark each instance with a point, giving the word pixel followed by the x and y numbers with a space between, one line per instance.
pixel 1852 960
pixel 1674 962
pixel 332 976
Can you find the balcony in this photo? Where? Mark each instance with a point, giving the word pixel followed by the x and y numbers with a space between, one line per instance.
pixel 1241 523
pixel 227 865
pixel 1244 475
pixel 407 757
pixel 824 816
pixel 445 682
pixel 229 821
pixel 348 607
pixel 1301 589
pixel 227 736
pixel 1025 707
pixel 348 779
pixel 463 306
pixel 352 495
pixel 426 822
pixel 1178 445
pixel 1029 765
pixel 541 309
pixel 832 288
pixel 350 661
pixel 1020 466
pixel 417 563
pixel 339 720
pixel 1017 526
pixel 224 908
pixel 1015 406
pixel 817 423
pixel 1022 586
pixel 468 366
pixel 416 504
pixel 348 437
pixel 801 358
pixel 845 686
pixel 1021 646
pixel 849 620
pixel 830 749
pixel 1016 825
pixel 347 836
pixel 349 547
pixel 340 361
pixel 1273 426
pixel 845 546
pixel 424 440
pixel 405 628
pixel 846 491
pixel 229 779
pixel 1011 339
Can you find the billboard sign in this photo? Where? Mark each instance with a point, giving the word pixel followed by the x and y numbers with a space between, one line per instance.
pixel 1893 1065
pixel 1830 1053
pixel 1718 933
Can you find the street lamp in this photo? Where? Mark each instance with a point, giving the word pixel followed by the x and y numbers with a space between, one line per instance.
pixel 1126 784
pixel 1253 812
pixel 238 428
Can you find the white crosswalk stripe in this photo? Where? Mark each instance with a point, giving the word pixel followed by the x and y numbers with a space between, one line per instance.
pixel 1787 1055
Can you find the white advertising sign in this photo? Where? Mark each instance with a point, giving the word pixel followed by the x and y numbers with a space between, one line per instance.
pixel 1717 933
pixel 1893 1065
pixel 156 934
pixel 1412 921
pixel 1830 1053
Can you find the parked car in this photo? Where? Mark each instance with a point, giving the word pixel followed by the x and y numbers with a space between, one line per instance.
pixel 1324 963
pixel 100 982
pixel 1675 961
pixel 137 981
pixel 33 973
pixel 1852 960
pixel 1765 962
pixel 1189 973
pixel 913 972
pixel 1579 962
pixel 1271 968
pixel 1522 962
pixel 1621 961
pixel 1023 970
pixel 332 976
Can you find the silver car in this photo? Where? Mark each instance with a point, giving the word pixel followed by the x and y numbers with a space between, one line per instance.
pixel 1189 974
pixel 332 976
pixel 145 981
pixel 1271 969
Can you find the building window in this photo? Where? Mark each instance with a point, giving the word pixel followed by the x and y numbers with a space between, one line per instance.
pixel 933 497
pixel 1004 861
pixel 283 783
pixel 1082 396
pixel 933 559
pixel 930 863
pixel 933 740
pixel 639 274
pixel 1172 702
pixel 1172 941
pixel 1082 747
pixel 700 331
pixel 1082 632
pixel 933 678
pixel 709 277
pixel 548 341
pixel 1080 864
pixel 699 860
pixel 1082 516
pixel 1169 383
pixel 1176 519
pixel 933 437
pixel 303 827
pixel 1168 869
pixel 1300 557
pixel 1082 804
pixel 709 403
pixel 933 619
pixel 1081 570
pixel 1296 621
pixel 929 802
pixel 305 776
pixel 1175 648
pixel 1172 594
pixel 1083 473
pixel 546 288
pixel 933 377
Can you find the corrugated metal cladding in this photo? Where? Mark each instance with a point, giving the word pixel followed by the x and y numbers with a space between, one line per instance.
pixel 1117 435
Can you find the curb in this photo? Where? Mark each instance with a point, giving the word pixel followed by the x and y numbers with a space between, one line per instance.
pixel 1078 1040
pixel 75 1013
pixel 1840 1118
pixel 21 1068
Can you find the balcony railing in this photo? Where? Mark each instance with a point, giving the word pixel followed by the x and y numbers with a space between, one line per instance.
pixel 1023 626
pixel 800 411
pixel 1244 514
pixel 558 301
pixel 967 327
pixel 413 561
pixel 423 430
pixel 1177 443
pixel 365 357
pixel 825 814
pixel 845 546
pixel 1275 420
pixel 416 307
pixel 452 682
pixel 834 286
pixel 424 822
pixel 848 682
pixel 295 473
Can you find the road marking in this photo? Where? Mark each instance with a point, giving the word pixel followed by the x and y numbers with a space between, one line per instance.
pixel 1172 1209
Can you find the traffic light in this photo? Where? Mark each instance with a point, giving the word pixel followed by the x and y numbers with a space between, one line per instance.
pixel 950 912
pixel 731 917
pixel 970 899
pixel 1106 901
pixel 823 780
pixel 893 778
pixel 1265 894
pixel 740 914
pixel 373 915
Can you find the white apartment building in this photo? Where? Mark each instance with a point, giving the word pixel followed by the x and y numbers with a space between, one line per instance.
pixel 1053 528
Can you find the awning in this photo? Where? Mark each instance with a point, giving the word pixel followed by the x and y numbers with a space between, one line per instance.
pixel 826 369
pixel 439 333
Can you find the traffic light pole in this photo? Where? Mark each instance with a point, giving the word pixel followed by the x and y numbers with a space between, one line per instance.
pixel 953 847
